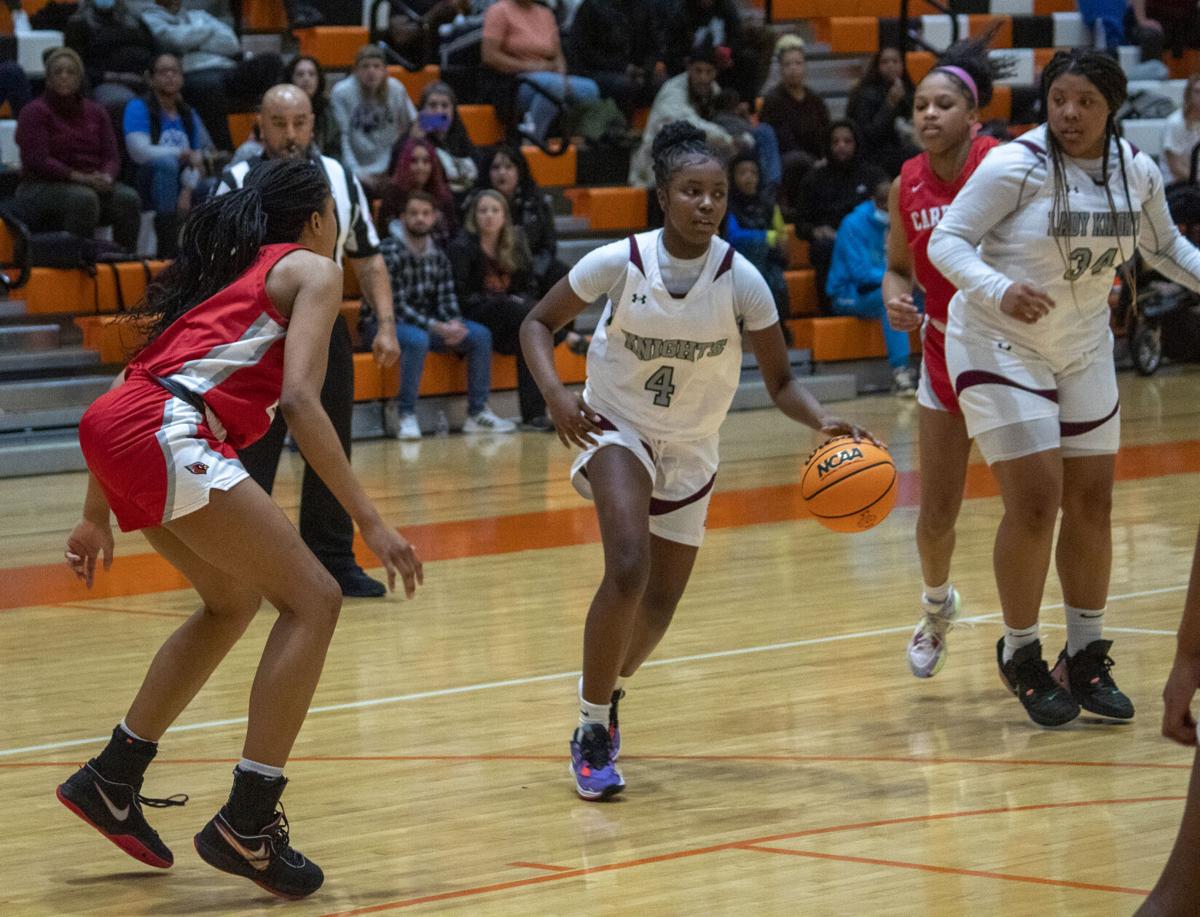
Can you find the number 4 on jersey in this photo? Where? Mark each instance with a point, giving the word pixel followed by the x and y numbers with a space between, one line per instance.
pixel 660 383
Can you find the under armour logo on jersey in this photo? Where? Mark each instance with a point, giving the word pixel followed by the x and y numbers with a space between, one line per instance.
pixel 197 468
pixel 1004 345
pixel 639 298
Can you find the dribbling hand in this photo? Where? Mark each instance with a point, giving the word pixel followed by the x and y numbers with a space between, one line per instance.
pixel 1026 303
pixel 903 314
pixel 573 420
pixel 89 541
pixel 397 556
pixel 1178 723
pixel 834 426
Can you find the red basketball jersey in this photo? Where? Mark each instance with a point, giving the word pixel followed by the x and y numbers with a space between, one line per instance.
pixel 228 350
pixel 923 199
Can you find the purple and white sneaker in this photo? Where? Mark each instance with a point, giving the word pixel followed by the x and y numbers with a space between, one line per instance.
pixel 596 777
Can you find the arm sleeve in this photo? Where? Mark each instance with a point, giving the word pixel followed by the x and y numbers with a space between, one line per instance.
pixel 342 106
pixel 599 270
pixel 752 299
pixel 33 140
pixel 1159 239
pixel 997 188
pixel 363 241
pixel 735 234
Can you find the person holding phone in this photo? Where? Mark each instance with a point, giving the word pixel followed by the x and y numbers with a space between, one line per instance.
pixel 439 123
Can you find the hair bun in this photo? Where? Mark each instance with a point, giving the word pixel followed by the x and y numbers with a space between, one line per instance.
pixel 676 133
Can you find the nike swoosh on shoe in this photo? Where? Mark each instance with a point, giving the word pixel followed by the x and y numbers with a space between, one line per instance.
pixel 260 859
pixel 118 814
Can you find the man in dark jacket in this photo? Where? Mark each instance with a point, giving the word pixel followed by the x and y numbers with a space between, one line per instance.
pixel 615 43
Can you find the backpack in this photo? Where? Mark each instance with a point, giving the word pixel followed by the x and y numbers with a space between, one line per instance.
pixel 55 249
pixel 1145 104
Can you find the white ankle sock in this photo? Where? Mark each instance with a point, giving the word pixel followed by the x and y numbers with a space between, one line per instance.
pixel 592 713
pixel 133 735
pixel 936 595
pixel 1084 626
pixel 1015 638
pixel 253 767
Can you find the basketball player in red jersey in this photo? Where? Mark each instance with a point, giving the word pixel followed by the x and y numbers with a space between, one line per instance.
pixel 946 116
pixel 238 324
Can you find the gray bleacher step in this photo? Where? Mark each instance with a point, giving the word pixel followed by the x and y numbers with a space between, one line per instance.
pixel 50 453
pixel 62 358
pixel 25 338
pixel 49 419
pixel 571 250
pixel 567 224
pixel 12 308
pixel 51 394
pixel 752 392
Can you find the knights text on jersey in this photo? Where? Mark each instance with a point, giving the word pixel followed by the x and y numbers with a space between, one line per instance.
pixel 669 365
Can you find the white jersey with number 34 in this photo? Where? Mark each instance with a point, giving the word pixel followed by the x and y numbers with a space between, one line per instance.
pixel 668 364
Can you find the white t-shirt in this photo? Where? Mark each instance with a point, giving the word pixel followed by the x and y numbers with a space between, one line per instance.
pixel 998 231
pixel 1179 139
pixel 669 364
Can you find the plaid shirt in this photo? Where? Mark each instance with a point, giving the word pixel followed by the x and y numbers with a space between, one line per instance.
pixel 422 284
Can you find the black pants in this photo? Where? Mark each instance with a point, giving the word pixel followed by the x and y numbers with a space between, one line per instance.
pixel 502 315
pixel 325 527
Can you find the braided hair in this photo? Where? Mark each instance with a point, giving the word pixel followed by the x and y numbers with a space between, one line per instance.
pixel 222 237
pixel 1103 72
pixel 680 144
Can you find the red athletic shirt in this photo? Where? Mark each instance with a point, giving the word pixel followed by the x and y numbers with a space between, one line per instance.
pixel 923 199
pixel 229 351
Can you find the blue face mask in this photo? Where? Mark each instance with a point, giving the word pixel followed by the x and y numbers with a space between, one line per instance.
pixel 104 5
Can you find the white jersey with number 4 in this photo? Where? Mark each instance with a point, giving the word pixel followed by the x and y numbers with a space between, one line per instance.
pixel 1002 228
pixel 669 364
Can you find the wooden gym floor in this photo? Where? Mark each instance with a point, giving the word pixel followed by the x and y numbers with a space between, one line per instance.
pixel 779 756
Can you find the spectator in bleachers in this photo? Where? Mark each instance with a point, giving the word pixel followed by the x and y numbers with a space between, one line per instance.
pixel 1105 19
pixel 616 43
pixel 506 170
pixel 690 97
pixel 439 122
pixel 1182 134
pixel 415 37
pixel 879 104
pixel 429 318
pixel 218 79
pixel 306 72
pixel 829 192
pixel 855 284
pixel 115 48
pixel 1178 20
pixel 493 275
pixel 521 42
pixel 15 88
pixel 731 113
pixel 1150 65
pixel 798 115
pixel 373 112
pixel 166 140
pixel 754 227
pixel 715 22
pixel 70 162
pixel 415 167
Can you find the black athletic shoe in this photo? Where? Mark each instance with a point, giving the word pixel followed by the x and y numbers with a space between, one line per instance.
pixel 614 726
pixel 1086 676
pixel 115 810
pixel 355 584
pixel 1027 676
pixel 266 858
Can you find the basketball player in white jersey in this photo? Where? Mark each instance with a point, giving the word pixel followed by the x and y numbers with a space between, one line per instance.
pixel 663 367
pixel 1032 243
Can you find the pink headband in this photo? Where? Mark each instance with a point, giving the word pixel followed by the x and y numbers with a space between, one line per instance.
pixel 965 78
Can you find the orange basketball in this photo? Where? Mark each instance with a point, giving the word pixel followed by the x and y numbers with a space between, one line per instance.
pixel 849 486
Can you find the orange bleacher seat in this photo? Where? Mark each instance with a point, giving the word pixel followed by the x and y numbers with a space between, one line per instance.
pixel 853 34
pixel 113 337
pixel 641 117
pixel 797 250
pixel 1000 106
pixel 1041 57
pixel 6 245
pixel 415 81
pixel 29 6
pixel 802 292
pixel 1047 7
pixel 483 127
pixel 1183 67
pixel 610 208
pixel 919 64
pixel 57 290
pixel 977 25
pixel 263 16
pixel 350 287
pixel 782 10
pixel 241 123
pixel 333 45
pixel 372 383
pixel 834 338
pixel 551 170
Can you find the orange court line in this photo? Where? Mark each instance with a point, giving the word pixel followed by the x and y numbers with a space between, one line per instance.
pixel 950 870
pixel 138 574
pixel 543 866
pixel 757 759
pixel 734 845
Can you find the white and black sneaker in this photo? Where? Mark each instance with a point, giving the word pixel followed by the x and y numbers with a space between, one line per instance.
pixel 927 648
pixel 487 422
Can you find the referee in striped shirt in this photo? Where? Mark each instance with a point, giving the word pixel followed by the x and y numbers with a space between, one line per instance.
pixel 286 124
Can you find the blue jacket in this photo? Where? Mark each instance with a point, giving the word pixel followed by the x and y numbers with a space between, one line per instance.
pixel 859 254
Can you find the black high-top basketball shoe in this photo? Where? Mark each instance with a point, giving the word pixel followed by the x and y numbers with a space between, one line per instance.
pixel 265 857
pixel 1087 676
pixel 115 810
pixel 1027 676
